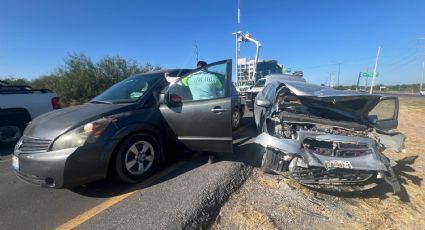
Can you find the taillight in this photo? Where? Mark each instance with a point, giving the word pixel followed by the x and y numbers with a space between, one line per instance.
pixel 56 103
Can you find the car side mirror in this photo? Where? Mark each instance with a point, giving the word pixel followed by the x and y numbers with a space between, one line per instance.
pixel 373 119
pixel 264 103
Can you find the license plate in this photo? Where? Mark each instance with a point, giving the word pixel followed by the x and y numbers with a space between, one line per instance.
pixel 338 164
pixel 15 162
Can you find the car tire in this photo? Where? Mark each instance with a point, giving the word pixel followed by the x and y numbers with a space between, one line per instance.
pixel 137 158
pixel 236 118
pixel 12 127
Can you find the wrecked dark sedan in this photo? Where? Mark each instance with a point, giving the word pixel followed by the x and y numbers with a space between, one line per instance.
pixel 126 130
pixel 324 137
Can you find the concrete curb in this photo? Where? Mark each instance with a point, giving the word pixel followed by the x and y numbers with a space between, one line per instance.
pixel 215 197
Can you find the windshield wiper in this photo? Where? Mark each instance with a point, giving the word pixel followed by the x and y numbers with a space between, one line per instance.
pixel 101 102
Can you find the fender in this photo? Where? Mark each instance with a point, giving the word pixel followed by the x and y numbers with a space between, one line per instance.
pixel 137 127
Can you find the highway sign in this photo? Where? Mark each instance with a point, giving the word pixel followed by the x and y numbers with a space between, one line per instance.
pixel 367 74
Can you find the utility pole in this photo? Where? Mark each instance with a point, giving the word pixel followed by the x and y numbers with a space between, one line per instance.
pixel 339 71
pixel 374 71
pixel 423 71
pixel 196 51
pixel 423 68
pixel 331 80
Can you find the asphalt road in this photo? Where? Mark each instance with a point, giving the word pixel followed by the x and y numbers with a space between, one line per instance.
pixel 166 200
pixel 402 95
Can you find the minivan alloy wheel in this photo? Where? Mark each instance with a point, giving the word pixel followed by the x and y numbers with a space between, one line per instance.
pixel 139 157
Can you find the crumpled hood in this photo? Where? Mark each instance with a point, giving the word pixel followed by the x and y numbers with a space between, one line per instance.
pixel 52 124
pixel 354 105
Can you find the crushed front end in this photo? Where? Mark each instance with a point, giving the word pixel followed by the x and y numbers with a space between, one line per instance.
pixel 319 150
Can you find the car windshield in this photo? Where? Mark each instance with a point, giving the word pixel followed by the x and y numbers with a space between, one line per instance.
pixel 260 83
pixel 127 91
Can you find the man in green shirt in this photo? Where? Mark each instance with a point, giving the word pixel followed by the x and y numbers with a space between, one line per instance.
pixel 203 84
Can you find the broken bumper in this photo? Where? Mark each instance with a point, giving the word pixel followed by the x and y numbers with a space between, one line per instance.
pixel 308 167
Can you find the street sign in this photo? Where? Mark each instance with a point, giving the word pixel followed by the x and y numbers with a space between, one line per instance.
pixel 286 70
pixel 367 74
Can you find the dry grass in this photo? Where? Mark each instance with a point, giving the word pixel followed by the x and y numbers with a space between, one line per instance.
pixel 266 182
pixel 252 218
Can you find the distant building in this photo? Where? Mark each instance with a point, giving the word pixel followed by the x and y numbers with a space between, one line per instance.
pixel 264 67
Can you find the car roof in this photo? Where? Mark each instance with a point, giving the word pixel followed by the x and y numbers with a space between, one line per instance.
pixel 177 72
pixel 283 77
pixel 307 89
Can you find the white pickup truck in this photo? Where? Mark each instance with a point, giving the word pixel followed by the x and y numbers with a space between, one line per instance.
pixel 18 106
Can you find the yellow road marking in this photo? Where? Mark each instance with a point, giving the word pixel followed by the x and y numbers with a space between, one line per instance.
pixel 73 223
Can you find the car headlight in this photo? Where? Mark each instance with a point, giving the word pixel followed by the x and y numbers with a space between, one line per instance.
pixel 87 133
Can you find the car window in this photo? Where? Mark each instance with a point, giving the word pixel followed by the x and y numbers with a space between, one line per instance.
pixel 265 90
pixel 128 90
pixel 270 93
pixel 384 110
pixel 203 84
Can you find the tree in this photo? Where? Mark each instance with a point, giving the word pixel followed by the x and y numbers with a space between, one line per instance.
pixel 80 79
pixel 16 81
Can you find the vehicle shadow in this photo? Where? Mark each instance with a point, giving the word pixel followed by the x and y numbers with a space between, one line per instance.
pixel 110 187
pixel 401 169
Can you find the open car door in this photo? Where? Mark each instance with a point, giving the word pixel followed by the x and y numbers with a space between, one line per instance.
pixel 385 117
pixel 385 113
pixel 197 108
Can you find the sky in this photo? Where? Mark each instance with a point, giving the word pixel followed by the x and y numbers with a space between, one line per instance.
pixel 310 35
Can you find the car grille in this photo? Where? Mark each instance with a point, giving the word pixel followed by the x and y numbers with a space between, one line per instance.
pixel 33 145
pixel 322 176
pixel 336 149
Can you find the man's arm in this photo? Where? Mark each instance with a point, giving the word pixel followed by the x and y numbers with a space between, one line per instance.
pixel 219 87
pixel 185 81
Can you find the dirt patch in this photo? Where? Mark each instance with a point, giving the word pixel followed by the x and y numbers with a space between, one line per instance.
pixel 252 218
pixel 266 182
pixel 271 201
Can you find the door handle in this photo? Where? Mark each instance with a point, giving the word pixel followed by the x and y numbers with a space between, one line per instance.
pixel 217 109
